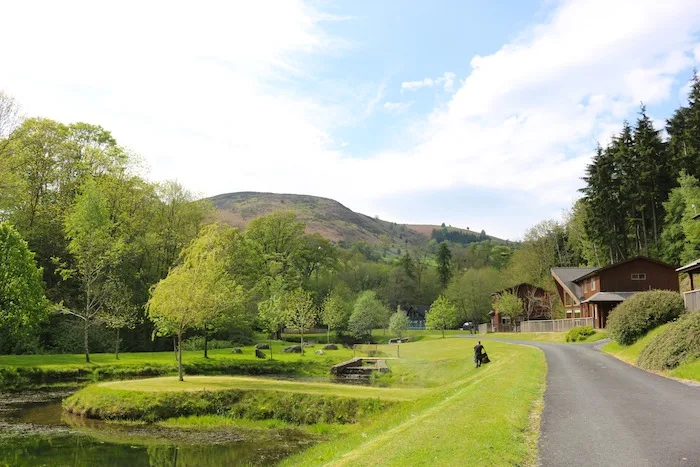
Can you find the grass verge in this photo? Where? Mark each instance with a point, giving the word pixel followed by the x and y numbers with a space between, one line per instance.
pixel 630 354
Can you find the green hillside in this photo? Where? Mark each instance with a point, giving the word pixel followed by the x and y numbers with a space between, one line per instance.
pixel 321 215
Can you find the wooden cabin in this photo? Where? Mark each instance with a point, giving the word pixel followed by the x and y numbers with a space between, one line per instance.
pixel 594 292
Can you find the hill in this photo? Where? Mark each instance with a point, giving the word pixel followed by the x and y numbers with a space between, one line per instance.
pixel 321 215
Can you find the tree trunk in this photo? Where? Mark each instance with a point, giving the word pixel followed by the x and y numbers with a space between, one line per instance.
pixel 328 339
pixel 179 357
pixel 302 341
pixel 116 346
pixel 206 342
pixel 398 349
pixel 86 341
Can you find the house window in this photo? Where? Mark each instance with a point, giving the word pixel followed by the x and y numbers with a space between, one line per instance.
pixel 640 276
pixel 592 284
pixel 505 320
pixel 585 286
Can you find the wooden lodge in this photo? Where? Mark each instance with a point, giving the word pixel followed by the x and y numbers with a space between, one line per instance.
pixel 594 292
pixel 536 306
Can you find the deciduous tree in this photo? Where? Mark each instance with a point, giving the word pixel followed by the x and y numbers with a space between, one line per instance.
pixel 23 305
pixel 442 315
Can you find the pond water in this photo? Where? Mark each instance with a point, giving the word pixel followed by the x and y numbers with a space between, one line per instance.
pixel 34 431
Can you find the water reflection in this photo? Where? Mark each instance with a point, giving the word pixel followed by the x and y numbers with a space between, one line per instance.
pixel 35 432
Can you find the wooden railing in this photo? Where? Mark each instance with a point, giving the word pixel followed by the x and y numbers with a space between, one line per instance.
pixel 554 325
pixel 692 300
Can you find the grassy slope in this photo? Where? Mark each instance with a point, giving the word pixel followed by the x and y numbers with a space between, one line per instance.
pixel 630 354
pixel 218 383
pixel 476 417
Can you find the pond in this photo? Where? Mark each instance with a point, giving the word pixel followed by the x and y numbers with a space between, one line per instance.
pixel 34 431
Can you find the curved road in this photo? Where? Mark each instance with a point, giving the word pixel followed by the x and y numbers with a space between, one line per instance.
pixel 600 411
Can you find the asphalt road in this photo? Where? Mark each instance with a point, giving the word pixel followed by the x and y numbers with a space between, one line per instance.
pixel 600 411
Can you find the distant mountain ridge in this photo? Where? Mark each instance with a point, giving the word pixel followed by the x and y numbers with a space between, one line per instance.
pixel 321 215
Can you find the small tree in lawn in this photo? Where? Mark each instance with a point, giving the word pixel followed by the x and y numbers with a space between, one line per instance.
pixel 335 312
pixel 118 311
pixel 398 324
pixel 300 312
pixel 367 313
pixel 271 312
pixel 442 315
pixel 509 305
pixel 89 230
pixel 195 292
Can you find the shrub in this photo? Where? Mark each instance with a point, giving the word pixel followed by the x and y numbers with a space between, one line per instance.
pixel 197 343
pixel 579 333
pixel 675 345
pixel 643 312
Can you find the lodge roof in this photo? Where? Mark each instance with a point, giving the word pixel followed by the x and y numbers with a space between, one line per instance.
pixel 609 297
pixel 690 267
pixel 567 277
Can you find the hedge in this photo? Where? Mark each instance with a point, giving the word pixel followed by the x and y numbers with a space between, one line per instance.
pixel 677 344
pixel 642 312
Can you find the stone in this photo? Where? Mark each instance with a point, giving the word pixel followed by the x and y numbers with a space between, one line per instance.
pixel 319 352
pixel 330 347
pixel 260 354
pixel 237 350
pixel 292 349
pixel 309 343
pixel 262 345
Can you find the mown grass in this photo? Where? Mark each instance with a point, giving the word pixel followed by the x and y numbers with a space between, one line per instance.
pixel 690 370
pixel 553 337
pixel 219 383
pixel 149 358
pixel 480 417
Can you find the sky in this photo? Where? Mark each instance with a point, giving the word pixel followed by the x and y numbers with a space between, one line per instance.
pixel 476 114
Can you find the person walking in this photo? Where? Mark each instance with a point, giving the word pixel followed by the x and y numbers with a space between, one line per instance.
pixel 478 354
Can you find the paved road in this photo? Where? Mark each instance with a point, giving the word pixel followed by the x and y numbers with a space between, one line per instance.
pixel 600 411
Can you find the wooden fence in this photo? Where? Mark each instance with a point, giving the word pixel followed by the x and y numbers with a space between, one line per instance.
pixel 554 325
pixel 692 300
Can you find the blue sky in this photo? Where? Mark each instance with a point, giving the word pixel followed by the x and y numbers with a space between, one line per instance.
pixel 477 114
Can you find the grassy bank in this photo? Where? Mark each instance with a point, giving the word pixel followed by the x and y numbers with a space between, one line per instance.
pixel 630 354
pixel 260 404
pixel 476 417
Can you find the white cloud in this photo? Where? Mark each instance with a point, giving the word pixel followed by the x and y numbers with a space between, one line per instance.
pixel 207 94
pixel 397 107
pixel 415 85
pixel 447 81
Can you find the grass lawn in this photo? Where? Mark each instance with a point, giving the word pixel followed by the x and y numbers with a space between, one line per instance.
pixel 553 337
pixel 146 358
pixel 475 417
pixel 218 383
pixel 556 337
